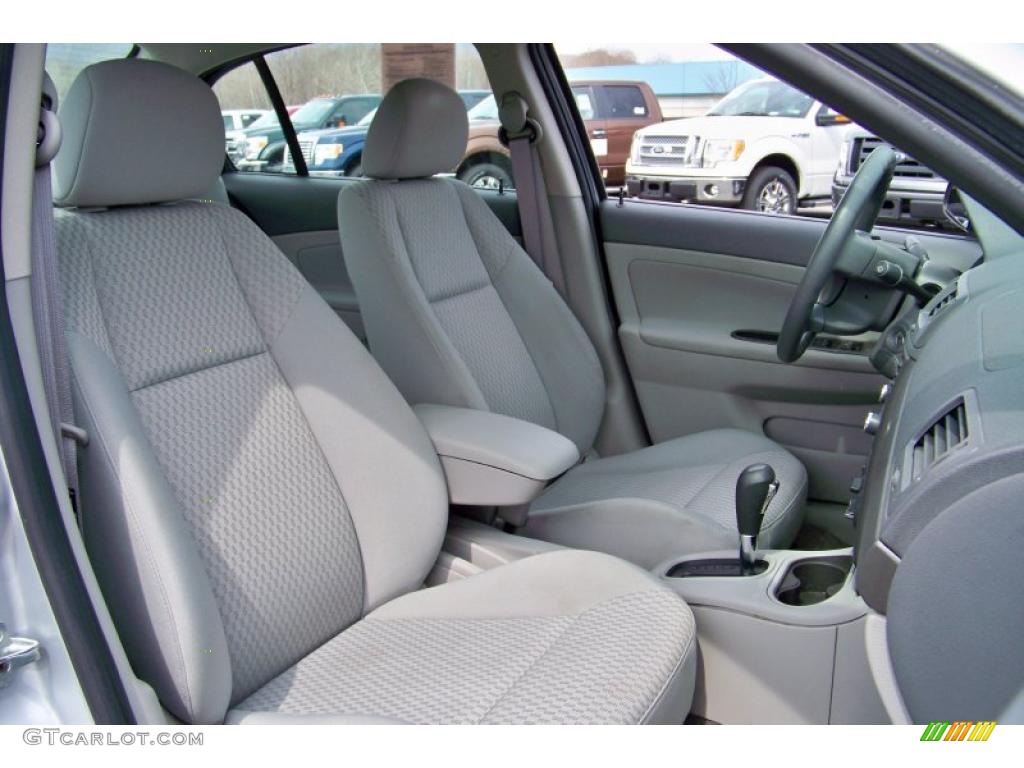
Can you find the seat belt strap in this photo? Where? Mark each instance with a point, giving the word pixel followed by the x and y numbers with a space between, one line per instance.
pixel 47 302
pixel 520 133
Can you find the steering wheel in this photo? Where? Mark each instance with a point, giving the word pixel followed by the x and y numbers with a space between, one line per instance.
pixel 856 212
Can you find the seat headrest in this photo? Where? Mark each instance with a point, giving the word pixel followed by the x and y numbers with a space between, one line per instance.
pixel 137 132
pixel 420 129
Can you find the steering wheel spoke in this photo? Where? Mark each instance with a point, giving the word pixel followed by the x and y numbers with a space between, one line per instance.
pixel 844 248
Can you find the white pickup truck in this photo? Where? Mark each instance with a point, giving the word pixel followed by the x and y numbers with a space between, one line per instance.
pixel 765 147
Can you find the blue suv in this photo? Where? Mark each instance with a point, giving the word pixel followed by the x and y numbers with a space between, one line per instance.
pixel 339 151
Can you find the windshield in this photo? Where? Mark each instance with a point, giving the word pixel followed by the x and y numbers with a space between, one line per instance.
pixel 268 120
pixel 485 110
pixel 368 117
pixel 313 111
pixel 764 98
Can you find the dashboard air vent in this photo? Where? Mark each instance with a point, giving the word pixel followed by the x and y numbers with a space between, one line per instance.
pixel 943 302
pixel 946 434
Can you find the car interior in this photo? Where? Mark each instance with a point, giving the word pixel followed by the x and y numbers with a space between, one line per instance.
pixel 395 449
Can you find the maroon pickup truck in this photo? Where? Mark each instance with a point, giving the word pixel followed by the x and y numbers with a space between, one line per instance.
pixel 612 110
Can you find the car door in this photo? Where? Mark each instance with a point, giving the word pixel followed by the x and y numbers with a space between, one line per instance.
pixel 626 110
pixel 597 128
pixel 827 129
pixel 699 296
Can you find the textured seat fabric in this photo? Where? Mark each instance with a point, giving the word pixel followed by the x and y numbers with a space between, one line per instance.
pixel 458 314
pixel 601 653
pixel 257 497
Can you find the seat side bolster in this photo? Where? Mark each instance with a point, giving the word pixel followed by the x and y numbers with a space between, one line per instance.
pixel 138 539
pixel 399 507
pixel 408 342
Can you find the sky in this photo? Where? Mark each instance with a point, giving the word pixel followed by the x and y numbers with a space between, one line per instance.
pixel 651 51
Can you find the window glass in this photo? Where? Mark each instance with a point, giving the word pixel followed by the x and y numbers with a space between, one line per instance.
pixel 584 102
pixel 625 101
pixel 694 125
pixel 65 60
pixel 485 110
pixel 332 92
pixel 763 98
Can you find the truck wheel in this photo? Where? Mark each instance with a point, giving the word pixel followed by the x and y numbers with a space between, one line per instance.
pixel 771 190
pixel 486 176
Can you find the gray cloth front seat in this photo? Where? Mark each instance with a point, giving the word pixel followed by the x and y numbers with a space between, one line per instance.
pixel 458 314
pixel 260 504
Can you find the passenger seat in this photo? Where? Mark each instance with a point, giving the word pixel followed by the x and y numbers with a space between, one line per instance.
pixel 259 503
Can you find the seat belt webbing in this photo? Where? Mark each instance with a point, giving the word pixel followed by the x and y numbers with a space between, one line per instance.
pixel 47 307
pixel 519 134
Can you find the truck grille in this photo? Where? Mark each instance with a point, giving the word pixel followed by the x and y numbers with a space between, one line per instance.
pixel 667 150
pixel 306 147
pixel 906 168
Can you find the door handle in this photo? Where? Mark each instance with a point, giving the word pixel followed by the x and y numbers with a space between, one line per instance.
pixel 599 133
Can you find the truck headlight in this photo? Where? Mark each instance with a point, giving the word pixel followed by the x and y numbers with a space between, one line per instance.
pixel 325 152
pixel 722 151
pixel 254 145
pixel 634 149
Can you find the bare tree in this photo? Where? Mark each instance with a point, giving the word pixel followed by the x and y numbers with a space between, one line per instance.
pixel 599 57
pixel 469 71
pixel 722 79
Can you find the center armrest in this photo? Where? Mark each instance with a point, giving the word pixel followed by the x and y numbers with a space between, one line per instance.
pixel 494 460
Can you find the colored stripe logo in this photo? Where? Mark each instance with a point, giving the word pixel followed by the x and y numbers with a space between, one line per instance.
pixel 960 730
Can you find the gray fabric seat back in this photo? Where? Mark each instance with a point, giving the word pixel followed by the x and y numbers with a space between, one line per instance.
pixel 253 484
pixel 455 311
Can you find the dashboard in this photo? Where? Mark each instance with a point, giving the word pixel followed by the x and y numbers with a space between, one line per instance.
pixel 940 517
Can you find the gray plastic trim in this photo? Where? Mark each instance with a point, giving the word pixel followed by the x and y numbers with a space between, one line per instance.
pixel 755 595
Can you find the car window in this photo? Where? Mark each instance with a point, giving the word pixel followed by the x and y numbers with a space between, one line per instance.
pixel 584 102
pixel 484 110
pixel 229 122
pixel 65 60
pixel 249 118
pixel 625 101
pixel 332 92
pixel 764 98
pixel 715 140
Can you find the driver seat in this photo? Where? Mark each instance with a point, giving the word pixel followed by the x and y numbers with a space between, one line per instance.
pixel 458 314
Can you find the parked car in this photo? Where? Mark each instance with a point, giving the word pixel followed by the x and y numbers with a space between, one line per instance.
pixel 915 193
pixel 339 151
pixel 236 121
pixel 766 146
pixel 262 144
pixel 611 110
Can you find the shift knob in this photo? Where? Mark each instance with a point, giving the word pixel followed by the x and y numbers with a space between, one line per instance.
pixel 755 488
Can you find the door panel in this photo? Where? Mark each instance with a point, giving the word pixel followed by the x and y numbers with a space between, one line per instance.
pixel 300 215
pixel 688 282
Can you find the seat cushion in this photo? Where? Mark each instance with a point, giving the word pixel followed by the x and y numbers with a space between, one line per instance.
pixel 562 637
pixel 674 498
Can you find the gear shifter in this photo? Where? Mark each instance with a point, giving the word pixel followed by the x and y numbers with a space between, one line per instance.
pixel 755 489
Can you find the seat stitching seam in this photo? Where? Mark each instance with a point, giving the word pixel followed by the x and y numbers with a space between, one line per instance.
pixel 204 369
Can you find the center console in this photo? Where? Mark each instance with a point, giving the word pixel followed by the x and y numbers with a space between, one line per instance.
pixel 782 634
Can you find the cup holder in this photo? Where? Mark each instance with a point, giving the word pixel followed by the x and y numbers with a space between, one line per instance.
pixel 813 581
